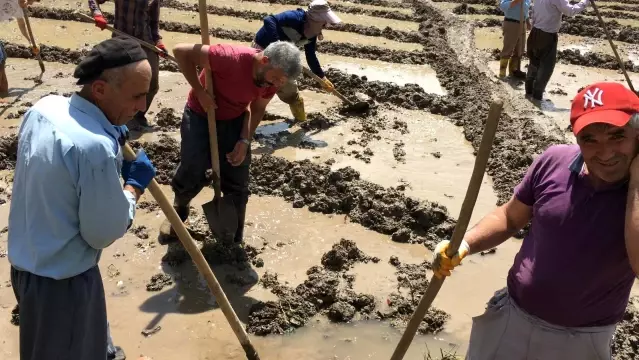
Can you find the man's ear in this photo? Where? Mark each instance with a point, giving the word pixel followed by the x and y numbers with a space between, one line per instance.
pixel 264 60
pixel 98 89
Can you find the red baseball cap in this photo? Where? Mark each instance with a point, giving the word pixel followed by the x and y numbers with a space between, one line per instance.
pixel 604 102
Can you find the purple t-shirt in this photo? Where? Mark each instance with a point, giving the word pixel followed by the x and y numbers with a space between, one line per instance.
pixel 572 269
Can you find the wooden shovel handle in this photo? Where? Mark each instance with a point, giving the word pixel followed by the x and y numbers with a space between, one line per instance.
pixel 199 260
pixel 308 72
pixel 25 12
pixel 612 45
pixel 460 229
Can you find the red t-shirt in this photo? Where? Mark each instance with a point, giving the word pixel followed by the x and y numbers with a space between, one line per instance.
pixel 234 87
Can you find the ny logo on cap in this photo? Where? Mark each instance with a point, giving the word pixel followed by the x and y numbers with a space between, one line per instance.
pixel 593 97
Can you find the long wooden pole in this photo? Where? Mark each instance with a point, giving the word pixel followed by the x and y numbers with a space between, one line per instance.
pixel 199 260
pixel 32 39
pixel 612 45
pixel 460 229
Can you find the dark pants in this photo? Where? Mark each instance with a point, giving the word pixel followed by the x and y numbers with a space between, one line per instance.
pixel 195 160
pixel 61 319
pixel 154 60
pixel 542 52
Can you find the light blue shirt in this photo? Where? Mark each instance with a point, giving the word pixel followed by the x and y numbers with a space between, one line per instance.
pixel 515 11
pixel 67 202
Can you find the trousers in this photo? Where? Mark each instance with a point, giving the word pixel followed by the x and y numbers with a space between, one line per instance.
pixel 506 332
pixel 542 52
pixel 195 159
pixel 513 40
pixel 61 319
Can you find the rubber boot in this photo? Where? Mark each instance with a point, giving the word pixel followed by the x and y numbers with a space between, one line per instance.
pixel 240 208
pixel 514 69
pixel 503 66
pixel 167 233
pixel 529 86
pixel 297 109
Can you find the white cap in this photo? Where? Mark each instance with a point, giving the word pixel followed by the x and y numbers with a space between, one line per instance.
pixel 319 10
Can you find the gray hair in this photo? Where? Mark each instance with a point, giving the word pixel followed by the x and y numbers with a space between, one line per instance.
pixel 285 56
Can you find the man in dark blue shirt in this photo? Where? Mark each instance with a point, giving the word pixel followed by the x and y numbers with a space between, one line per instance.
pixel 303 28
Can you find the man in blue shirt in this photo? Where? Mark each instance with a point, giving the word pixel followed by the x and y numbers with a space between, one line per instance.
pixel 514 37
pixel 68 202
pixel 303 28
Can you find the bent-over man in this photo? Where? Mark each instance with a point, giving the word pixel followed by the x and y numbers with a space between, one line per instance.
pixel 68 202
pixel 245 79
pixel 302 28
pixel 570 283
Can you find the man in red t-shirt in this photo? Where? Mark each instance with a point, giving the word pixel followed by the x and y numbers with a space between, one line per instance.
pixel 244 81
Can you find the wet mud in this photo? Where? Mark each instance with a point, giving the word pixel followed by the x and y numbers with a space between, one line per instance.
pixel 159 282
pixel 590 59
pixel 412 282
pixel 328 290
pixel 625 345
pixel 165 154
pixel 478 2
pixel 168 120
pixel 8 151
pixel 252 15
pixel 387 211
pixel 15 316
pixel 140 231
pixel 464 9
pixel 304 3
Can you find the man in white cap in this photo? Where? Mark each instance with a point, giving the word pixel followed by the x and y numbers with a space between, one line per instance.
pixel 303 28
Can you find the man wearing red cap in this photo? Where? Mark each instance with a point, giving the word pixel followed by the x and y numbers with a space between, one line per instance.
pixel 570 282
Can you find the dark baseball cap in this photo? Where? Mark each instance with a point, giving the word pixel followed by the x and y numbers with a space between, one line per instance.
pixel 111 53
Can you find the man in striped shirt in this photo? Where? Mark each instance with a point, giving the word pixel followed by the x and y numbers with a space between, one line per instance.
pixel 140 19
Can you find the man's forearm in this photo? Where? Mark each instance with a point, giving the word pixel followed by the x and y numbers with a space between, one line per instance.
pixel 23 29
pixel 256 117
pixel 632 224
pixel 246 126
pixel 490 232
pixel 188 69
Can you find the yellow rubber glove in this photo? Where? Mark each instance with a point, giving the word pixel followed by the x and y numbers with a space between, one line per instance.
pixel 327 85
pixel 442 264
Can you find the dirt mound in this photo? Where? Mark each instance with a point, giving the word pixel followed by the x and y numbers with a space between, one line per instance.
pixel 159 282
pixel 323 292
pixel 8 151
pixel 412 283
pixel 168 120
pixel 410 96
pixel 165 154
pixel 625 345
pixel 342 192
pixel 465 9
pixel 344 255
pixel 612 14
pixel 477 2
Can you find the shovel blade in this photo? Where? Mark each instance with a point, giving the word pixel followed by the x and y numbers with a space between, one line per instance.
pixel 222 217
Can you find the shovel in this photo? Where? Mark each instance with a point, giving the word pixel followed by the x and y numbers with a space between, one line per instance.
pixel 32 40
pixel 460 229
pixel 199 260
pixel 220 213
pixel 142 42
pixel 360 106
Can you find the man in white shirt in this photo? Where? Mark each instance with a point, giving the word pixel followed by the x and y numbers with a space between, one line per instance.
pixel 542 42
pixel 10 9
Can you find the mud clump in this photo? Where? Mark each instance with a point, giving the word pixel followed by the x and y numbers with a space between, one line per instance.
pixel 140 231
pixel 8 151
pixel 165 155
pixel 399 153
pixel 343 255
pixel 15 316
pixel 625 345
pixel 464 9
pixel 412 284
pixel 323 292
pixel 158 282
pixel 410 96
pixel 168 120
pixel 342 192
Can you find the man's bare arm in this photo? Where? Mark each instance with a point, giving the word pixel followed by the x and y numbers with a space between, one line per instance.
pixel 188 58
pixel 498 226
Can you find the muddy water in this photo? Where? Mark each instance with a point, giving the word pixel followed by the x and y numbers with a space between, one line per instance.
pixel 559 106
pixel 491 38
pixel 373 7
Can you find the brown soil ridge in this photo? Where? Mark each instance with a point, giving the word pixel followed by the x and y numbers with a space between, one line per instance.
pixel 590 59
pixel 465 9
pixel 329 47
pixel 228 11
pixel 476 2
pixel 383 3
